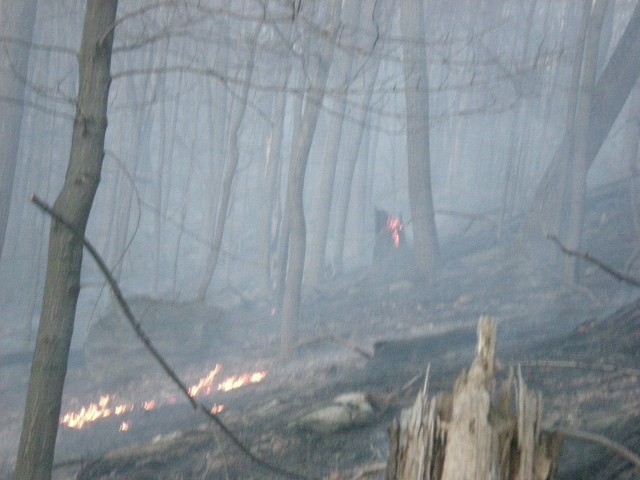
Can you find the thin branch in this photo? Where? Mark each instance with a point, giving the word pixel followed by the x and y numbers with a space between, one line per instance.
pixel 38 46
pixel 198 406
pixel 599 263
pixel 336 339
pixel 614 447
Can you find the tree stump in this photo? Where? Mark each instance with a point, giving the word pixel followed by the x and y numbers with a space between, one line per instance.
pixel 473 433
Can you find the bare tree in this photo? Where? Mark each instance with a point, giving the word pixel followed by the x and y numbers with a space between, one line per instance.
pixel 16 29
pixel 610 93
pixel 419 164
pixel 320 62
pixel 578 162
pixel 62 284
pixel 233 153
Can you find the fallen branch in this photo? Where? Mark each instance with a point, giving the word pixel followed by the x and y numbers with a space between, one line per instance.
pixel 336 339
pixel 614 447
pixel 570 364
pixel 198 406
pixel 599 263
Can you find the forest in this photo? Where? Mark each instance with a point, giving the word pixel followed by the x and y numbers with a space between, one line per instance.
pixel 313 200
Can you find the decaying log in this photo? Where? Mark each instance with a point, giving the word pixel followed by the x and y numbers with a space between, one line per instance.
pixel 474 433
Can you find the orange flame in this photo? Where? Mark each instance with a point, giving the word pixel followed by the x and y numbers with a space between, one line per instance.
pixel 235 382
pixel 206 382
pixel 395 226
pixel 93 412
pixel 205 386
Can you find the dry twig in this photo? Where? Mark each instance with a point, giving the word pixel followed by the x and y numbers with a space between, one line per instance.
pixel 614 447
pixel 336 339
pixel 599 263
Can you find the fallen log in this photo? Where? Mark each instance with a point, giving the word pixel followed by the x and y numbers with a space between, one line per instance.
pixel 474 433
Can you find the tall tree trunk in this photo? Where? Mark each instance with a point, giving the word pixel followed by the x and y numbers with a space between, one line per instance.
pixel 579 161
pixel 425 237
pixel 297 169
pixel 609 95
pixel 352 148
pixel 62 284
pixel 342 67
pixel 16 25
pixel 270 212
pixel 230 170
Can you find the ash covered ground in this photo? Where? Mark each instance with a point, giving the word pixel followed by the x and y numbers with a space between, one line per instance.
pixel 406 326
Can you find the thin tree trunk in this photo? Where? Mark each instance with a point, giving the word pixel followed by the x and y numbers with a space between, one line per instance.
pixel 16 22
pixel 230 171
pixel 297 168
pixel 350 155
pixel 318 243
pixel 270 213
pixel 609 95
pixel 62 284
pixel 579 162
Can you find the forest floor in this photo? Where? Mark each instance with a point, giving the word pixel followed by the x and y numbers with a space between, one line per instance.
pixel 379 333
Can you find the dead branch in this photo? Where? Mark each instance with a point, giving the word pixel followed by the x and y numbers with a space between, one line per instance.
pixel 336 339
pixel 614 447
pixel 570 364
pixel 599 263
pixel 117 292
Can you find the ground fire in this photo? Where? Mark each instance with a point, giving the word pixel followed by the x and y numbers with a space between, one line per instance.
pixel 107 407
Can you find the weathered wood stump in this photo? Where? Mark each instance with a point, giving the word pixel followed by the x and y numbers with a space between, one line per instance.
pixel 179 330
pixel 474 433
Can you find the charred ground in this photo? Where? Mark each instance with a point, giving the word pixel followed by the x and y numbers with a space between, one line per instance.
pixel 405 326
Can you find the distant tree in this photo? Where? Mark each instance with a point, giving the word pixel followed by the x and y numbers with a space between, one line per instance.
pixel 425 237
pixel 578 162
pixel 320 60
pixel 16 29
pixel 62 284
pixel 233 154
pixel 610 93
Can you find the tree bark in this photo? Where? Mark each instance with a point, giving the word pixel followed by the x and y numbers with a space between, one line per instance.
pixel 609 95
pixel 16 24
pixel 62 284
pixel 425 237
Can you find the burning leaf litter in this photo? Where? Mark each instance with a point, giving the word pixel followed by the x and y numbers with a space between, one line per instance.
pixel 205 386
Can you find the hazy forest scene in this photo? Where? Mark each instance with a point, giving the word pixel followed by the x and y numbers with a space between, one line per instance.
pixel 341 239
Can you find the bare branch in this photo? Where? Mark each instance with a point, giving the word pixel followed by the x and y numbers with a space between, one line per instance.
pixel 39 46
pixel 599 263
pixel 115 288
pixel 610 445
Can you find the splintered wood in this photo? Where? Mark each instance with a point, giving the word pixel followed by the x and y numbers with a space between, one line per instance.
pixel 473 433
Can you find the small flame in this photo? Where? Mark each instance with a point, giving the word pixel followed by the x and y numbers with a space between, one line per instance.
pixel 216 409
pixel 235 382
pixel 124 427
pixel 205 383
pixel 150 405
pixel 395 227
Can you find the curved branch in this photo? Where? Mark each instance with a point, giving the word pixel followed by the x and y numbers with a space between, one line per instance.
pixel 198 406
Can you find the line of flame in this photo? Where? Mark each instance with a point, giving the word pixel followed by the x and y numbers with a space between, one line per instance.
pixel 205 386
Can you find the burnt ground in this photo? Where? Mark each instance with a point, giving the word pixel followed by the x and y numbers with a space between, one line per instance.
pixel 407 325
